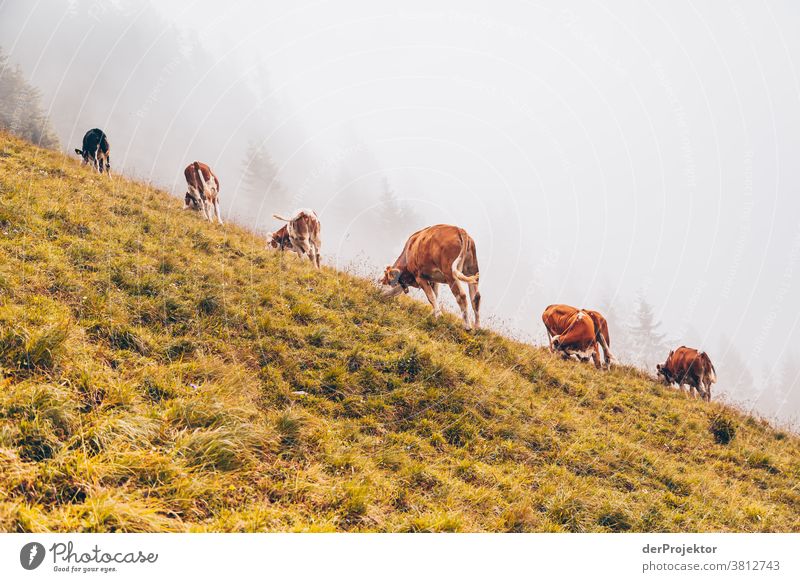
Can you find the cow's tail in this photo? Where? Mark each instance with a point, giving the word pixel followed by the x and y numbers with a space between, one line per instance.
pixel 200 178
pixel 711 374
pixel 600 336
pixel 281 218
pixel 458 264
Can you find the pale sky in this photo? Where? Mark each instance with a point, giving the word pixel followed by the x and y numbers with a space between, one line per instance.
pixel 601 148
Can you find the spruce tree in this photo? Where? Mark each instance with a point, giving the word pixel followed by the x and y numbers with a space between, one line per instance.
pixel 260 182
pixel 648 345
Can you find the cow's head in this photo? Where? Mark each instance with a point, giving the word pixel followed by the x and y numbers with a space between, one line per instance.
pixel 391 280
pixel 84 155
pixel 279 240
pixel 663 374
pixel 662 370
pixel 191 202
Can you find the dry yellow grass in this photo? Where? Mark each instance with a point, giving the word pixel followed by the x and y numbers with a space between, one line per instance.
pixel 149 370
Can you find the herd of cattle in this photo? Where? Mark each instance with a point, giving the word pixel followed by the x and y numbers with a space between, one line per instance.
pixel 434 255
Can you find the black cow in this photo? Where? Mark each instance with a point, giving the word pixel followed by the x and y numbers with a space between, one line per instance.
pixel 96 150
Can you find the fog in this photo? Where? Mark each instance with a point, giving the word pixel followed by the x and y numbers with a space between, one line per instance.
pixel 598 154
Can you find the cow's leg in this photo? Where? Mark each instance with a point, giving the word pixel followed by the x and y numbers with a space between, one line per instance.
pixel 428 290
pixel 435 287
pixel 461 298
pixel 705 393
pixel 307 249
pixel 317 242
pixel 596 357
pixel 216 211
pixel 315 249
pixel 312 254
pixel 607 355
pixel 475 299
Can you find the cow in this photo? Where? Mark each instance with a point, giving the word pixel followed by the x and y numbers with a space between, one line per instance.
pixel 203 191
pixel 301 233
pixel 433 255
pixel 689 366
pixel 556 319
pixel 96 150
pixel 578 338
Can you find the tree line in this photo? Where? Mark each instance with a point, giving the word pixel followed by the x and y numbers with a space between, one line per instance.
pixel 21 110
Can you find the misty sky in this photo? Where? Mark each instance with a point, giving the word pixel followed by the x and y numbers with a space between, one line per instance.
pixel 594 152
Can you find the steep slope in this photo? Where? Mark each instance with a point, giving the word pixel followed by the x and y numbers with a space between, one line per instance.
pixel 161 374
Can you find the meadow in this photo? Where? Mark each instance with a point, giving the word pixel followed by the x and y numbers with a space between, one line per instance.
pixel 160 374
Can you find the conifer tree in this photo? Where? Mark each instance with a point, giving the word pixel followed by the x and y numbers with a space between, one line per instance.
pixel 648 345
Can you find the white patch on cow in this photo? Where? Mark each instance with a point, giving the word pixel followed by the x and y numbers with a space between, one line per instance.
pixel 582 354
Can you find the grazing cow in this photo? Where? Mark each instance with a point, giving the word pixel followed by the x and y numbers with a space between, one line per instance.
pixel 433 255
pixel 96 150
pixel 688 366
pixel 556 318
pixel 280 239
pixel 578 338
pixel 300 234
pixel 203 192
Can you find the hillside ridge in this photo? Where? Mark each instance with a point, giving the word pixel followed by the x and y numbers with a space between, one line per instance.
pixel 158 373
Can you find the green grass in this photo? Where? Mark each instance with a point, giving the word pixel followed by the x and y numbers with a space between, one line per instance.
pixel 161 374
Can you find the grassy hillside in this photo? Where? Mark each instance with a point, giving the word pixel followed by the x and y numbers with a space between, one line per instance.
pixel 161 374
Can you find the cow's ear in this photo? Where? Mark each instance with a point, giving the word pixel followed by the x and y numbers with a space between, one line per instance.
pixel 79 152
pixel 394 276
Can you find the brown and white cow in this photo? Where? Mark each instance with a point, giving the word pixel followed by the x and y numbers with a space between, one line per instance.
pixel 203 192
pixel 433 255
pixel 96 150
pixel 579 335
pixel 300 234
pixel 556 319
pixel 691 367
